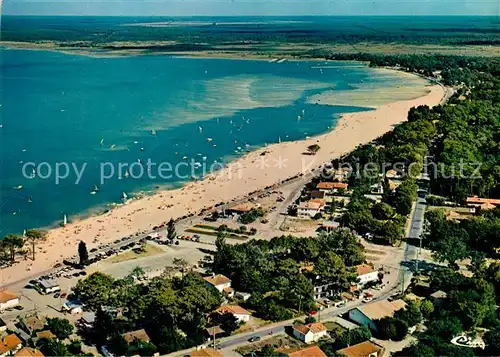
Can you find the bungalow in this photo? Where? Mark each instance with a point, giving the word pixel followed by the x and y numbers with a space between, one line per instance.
pixel 363 349
pixel 9 345
pixel 309 333
pixel 311 351
pixel 239 313
pixel 206 352
pixel 29 352
pixel 331 187
pixel 8 300
pixel 221 283
pixel 475 202
pixel 48 286
pixel 366 315
pixel 366 274
pixel 311 208
pixel 139 335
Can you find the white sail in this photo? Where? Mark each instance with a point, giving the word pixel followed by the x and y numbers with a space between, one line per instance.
pixel 124 196
pixel 153 132
pixel 65 222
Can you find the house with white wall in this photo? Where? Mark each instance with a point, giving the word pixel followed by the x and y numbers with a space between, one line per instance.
pixel 8 300
pixel 366 315
pixel 221 283
pixel 239 313
pixel 309 333
pixel 310 208
pixel 366 274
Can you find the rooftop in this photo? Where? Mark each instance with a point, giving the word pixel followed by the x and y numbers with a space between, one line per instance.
pixel 48 283
pixel 243 207
pixel 475 200
pixel 218 279
pixel 140 335
pixel 29 352
pixel 45 334
pixel 33 323
pixel 380 309
pixel 232 309
pixel 331 185
pixel 312 204
pixel 312 351
pixel 363 269
pixel 9 343
pixel 315 327
pixel 6 295
pixel 206 352
pixel 362 349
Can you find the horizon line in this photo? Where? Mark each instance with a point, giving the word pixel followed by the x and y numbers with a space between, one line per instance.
pixel 305 15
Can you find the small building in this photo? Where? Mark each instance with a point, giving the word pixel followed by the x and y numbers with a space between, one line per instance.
pixel 239 313
pixel 311 351
pixel 8 300
pixel 323 290
pixel 221 283
pixel 10 344
pixel 331 187
pixel 363 349
pixel 329 226
pixel 366 274
pixel 215 332
pixel 243 296
pixel 29 352
pixel 88 319
pixel 309 333
pixel 48 286
pixel 437 298
pixel 310 208
pixel 45 334
pixel 206 352
pixel 139 335
pixel 366 315
pixel 32 324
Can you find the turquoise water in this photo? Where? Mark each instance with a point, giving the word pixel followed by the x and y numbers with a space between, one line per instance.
pixel 59 108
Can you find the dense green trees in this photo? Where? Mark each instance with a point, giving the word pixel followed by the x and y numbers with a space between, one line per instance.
pixel 270 270
pixel 83 253
pixel 173 311
pixel 62 328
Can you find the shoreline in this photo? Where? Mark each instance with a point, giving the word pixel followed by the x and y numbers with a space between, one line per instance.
pixel 252 172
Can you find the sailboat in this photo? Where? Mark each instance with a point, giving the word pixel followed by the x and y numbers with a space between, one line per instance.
pixel 124 196
pixel 279 139
pixel 153 132
pixel 65 220
pixel 102 141
pixel 24 233
pixel 30 200
pixel 200 129
pixel 126 174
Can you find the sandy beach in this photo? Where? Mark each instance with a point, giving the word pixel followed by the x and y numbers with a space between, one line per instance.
pixel 256 170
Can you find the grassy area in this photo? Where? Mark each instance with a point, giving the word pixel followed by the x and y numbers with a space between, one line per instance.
pixel 281 342
pixel 149 251
pixel 333 326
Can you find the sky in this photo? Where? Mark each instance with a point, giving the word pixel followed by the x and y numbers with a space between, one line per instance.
pixel 249 7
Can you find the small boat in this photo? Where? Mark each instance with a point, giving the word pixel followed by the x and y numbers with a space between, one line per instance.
pixel 112 146
pixel 93 192
pixel 142 149
pixel 136 142
pixel 30 200
pixel 124 196
pixel 126 174
pixel 102 141
pixel 139 161
pixel 303 111
pixel 197 164
pixel 209 139
pixel 279 139
pixel 24 150
pixel 96 188
pixel 65 220
pixel 299 117
pixel 153 132
pixel 204 158
pixel 20 187
pixel 200 129
pixel 24 233
pixel 33 174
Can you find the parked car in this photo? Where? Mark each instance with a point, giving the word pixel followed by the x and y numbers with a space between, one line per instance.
pixel 56 295
pixel 63 295
pixel 254 339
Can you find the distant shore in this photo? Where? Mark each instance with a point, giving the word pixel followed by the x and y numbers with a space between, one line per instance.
pixel 259 169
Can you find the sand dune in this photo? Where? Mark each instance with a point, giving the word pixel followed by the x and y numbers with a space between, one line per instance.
pixel 252 172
